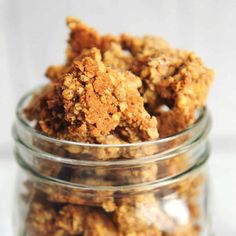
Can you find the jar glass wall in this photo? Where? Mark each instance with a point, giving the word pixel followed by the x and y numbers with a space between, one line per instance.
pixel 155 188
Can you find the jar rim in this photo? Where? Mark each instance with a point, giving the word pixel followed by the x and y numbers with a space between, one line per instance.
pixel 145 186
pixel 203 116
pixel 189 137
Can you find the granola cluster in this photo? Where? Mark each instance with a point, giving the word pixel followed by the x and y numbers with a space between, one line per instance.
pixel 137 214
pixel 116 90
pixel 132 88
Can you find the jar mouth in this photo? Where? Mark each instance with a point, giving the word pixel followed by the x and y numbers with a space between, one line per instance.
pixel 202 117
pixel 25 135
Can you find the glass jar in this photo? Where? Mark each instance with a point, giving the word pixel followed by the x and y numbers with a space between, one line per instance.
pixel 153 188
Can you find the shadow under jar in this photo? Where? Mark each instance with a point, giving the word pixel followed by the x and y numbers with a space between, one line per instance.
pixel 154 188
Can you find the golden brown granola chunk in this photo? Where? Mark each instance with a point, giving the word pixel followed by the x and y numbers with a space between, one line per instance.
pixel 41 219
pixel 184 92
pixel 139 215
pixel 98 99
pixel 99 224
pixel 175 85
pixel 71 219
pixel 92 102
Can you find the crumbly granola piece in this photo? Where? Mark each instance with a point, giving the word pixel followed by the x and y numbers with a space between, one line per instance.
pixel 137 215
pixel 140 214
pixel 173 121
pixel 154 68
pixel 176 84
pixel 92 102
pixel 45 218
pixel 185 92
pixel 41 219
pixel 98 99
pixel 147 214
pixel 99 224
pixel 71 219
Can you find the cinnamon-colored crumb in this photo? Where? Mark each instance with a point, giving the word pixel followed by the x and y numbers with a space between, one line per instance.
pixel 97 100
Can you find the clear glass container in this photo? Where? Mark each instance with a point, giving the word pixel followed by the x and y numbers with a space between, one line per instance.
pixel 153 188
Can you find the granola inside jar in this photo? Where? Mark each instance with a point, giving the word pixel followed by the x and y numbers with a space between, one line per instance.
pixel 65 189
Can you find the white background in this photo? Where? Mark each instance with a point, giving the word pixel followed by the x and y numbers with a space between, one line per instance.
pixel 33 35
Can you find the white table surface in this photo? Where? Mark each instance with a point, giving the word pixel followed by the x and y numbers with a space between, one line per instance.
pixel 223 177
